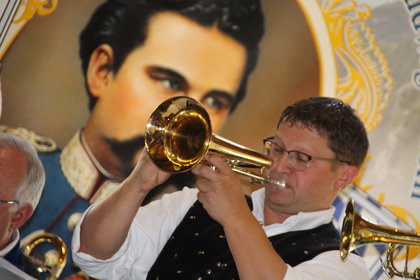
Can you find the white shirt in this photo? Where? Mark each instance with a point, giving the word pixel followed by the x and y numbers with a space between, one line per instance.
pixel 155 223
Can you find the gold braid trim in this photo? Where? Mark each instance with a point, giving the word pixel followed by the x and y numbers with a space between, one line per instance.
pixel 40 143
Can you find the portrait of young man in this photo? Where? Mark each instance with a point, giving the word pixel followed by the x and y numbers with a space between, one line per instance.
pixel 134 55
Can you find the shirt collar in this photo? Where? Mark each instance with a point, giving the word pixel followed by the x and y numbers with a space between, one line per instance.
pixel 83 172
pixel 300 221
pixel 11 245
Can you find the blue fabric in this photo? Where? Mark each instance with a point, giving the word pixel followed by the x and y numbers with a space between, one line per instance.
pixel 15 257
pixel 56 196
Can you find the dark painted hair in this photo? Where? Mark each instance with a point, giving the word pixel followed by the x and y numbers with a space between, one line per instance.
pixel 122 24
pixel 335 120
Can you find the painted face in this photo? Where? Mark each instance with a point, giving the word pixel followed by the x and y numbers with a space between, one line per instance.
pixel 179 57
pixel 12 170
pixel 309 190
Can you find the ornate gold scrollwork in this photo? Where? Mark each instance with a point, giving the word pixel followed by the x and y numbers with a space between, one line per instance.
pixel 32 7
pixel 364 79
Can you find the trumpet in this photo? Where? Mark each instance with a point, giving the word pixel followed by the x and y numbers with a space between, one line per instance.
pixel 179 135
pixel 41 263
pixel 358 232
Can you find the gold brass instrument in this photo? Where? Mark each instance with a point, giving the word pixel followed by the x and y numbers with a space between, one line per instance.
pixel 41 263
pixel 179 135
pixel 358 232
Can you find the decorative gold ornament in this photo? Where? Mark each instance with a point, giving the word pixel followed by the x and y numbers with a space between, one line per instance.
pixel 32 7
pixel 363 75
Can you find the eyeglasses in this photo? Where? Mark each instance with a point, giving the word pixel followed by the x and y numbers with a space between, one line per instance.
pixel 9 202
pixel 299 161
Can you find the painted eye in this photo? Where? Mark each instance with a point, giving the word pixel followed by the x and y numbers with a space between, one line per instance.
pixel 169 79
pixel 216 103
pixel 171 84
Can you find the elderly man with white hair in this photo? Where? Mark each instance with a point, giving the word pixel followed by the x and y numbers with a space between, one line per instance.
pixel 22 180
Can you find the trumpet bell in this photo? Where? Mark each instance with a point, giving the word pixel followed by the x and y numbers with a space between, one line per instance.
pixel 347 232
pixel 178 134
pixel 358 232
pixel 41 263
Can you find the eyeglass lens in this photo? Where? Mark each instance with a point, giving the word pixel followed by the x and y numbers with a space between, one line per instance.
pixel 297 160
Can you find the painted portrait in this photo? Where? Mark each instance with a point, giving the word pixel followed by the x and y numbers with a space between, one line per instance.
pixel 85 103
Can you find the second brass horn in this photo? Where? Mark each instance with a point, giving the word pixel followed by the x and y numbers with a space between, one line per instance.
pixel 41 263
pixel 358 232
pixel 179 135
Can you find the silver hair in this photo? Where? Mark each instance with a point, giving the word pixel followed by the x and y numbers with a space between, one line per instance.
pixel 32 185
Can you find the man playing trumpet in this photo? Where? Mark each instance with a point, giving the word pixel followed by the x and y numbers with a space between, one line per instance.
pixel 214 231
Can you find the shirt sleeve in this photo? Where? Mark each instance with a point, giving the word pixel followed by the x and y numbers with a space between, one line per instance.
pixel 151 228
pixel 329 266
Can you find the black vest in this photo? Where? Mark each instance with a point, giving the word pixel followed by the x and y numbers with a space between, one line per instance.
pixel 198 248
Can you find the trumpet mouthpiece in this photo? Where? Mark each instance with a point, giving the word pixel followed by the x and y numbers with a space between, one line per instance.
pixel 280 184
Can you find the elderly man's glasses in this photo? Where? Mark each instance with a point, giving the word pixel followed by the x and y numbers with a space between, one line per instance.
pixel 299 161
pixel 9 202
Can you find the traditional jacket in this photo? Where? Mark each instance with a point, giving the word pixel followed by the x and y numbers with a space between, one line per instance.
pixel 74 180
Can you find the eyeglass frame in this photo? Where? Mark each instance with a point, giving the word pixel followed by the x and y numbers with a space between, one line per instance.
pixel 271 140
pixel 9 202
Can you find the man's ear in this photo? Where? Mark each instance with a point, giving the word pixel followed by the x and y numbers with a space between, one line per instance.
pixel 99 69
pixel 23 214
pixel 347 175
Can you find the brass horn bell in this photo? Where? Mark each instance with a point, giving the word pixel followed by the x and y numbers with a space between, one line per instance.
pixel 358 232
pixel 179 135
pixel 41 263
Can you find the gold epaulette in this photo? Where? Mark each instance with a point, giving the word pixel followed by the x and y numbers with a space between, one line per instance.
pixel 40 143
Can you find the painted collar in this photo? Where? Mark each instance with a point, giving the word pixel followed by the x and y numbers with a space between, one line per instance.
pixel 84 173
